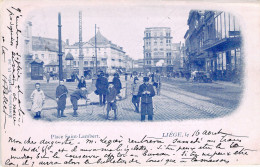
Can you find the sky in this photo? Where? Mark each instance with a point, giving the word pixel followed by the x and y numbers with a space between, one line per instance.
pixel 123 25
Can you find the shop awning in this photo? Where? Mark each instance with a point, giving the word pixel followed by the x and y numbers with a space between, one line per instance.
pixel 224 44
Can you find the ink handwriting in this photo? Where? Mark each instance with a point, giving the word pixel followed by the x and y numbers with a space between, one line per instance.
pixel 203 147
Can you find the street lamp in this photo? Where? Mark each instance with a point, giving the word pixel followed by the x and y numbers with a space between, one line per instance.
pixel 93 60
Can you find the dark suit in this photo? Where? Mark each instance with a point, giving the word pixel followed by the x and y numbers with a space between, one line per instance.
pixel 102 85
pixel 117 84
pixel 146 101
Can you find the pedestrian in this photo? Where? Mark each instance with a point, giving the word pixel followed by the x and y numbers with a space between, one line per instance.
pixel 117 84
pixel 75 96
pixel 48 77
pixel 82 83
pixel 111 100
pixel 102 85
pixel 131 76
pixel 157 82
pixel 135 97
pixel 152 76
pixel 61 96
pixel 37 98
pixel 146 92
pixel 126 76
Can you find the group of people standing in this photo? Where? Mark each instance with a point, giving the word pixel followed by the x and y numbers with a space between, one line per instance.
pixel 108 93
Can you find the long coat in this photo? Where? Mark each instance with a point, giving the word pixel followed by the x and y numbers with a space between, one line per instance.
pixel 146 99
pixel 102 85
pixel 37 98
pixel 117 84
pixel 61 94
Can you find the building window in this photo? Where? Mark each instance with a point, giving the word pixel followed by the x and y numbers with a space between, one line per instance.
pixel 42 56
pixel 148 55
pixel 155 43
pixel 148 34
pixel 161 42
pixel 74 63
pixel 113 59
pixel 36 56
pixel 85 62
pixel 168 34
pixel 148 62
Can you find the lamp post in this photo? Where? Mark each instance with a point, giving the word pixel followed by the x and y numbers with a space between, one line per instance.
pixel 93 60
pixel 60 48
pixel 96 47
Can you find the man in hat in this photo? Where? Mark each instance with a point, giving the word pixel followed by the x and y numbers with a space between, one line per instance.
pixel 111 99
pixel 61 96
pixel 75 96
pixel 146 92
pixel 102 85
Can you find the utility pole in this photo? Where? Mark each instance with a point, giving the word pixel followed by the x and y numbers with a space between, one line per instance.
pixel 96 48
pixel 60 48
pixel 81 68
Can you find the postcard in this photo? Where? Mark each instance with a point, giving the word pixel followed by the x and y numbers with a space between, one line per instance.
pixel 136 83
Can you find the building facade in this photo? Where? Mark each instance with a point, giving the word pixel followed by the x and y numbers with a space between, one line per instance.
pixel 158 49
pixel 213 44
pixel 110 57
pixel 40 48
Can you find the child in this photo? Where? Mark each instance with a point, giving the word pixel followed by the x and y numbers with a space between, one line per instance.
pixel 82 83
pixel 38 99
pixel 75 96
pixel 135 98
pixel 61 96
pixel 111 99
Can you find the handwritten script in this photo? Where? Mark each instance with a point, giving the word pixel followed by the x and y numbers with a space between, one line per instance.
pixel 11 62
pixel 79 149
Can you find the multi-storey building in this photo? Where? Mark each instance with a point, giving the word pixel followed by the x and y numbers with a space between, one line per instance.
pixel 158 49
pixel 42 49
pixel 213 44
pixel 110 57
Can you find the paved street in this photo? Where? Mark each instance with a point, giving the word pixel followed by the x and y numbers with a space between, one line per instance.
pixel 179 100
